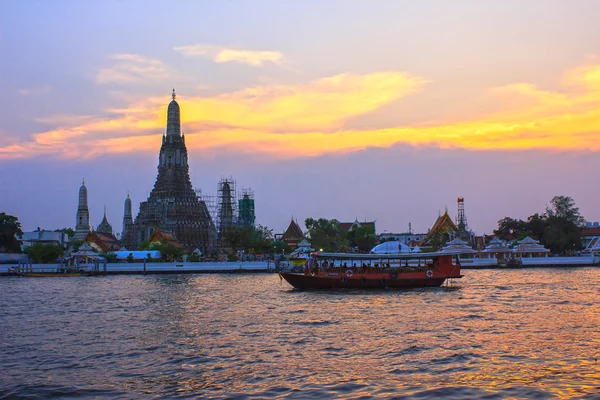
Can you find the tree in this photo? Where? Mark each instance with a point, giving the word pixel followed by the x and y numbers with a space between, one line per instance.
pixel 438 239
pixel 261 239
pixel 510 228
pixel 281 247
pixel 10 228
pixel 563 225
pixel 44 253
pixel 168 251
pixel 563 207
pixel 361 238
pixel 536 226
pixel 69 231
pixel 326 234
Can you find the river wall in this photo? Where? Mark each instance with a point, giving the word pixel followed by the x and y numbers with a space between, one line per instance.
pixel 162 268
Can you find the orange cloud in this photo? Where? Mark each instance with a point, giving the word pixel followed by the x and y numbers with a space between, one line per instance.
pixel 309 119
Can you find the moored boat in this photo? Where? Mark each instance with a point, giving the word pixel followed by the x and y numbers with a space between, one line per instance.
pixel 376 271
pixel 51 272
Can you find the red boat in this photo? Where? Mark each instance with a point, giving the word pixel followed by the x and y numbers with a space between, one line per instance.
pixel 376 271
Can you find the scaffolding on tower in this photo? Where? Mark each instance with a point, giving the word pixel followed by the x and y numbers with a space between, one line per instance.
pixel 246 210
pixel 226 213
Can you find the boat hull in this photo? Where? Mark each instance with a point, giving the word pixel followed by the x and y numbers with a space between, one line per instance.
pixel 304 282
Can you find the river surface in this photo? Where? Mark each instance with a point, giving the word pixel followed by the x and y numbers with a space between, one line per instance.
pixel 532 333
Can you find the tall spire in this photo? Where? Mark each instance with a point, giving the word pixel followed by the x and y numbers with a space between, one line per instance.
pixel 82 221
pixel 173 118
pixel 105 226
pixel 127 218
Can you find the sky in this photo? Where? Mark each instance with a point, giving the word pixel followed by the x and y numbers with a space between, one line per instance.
pixel 369 110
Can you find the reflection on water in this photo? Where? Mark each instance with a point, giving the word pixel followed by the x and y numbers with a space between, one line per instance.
pixel 497 334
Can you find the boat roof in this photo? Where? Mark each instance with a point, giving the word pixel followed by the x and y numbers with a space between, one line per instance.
pixel 401 256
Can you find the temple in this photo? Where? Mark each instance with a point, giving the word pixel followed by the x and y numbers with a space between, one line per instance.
pixel 293 234
pixel 444 224
pixel 82 223
pixel 173 205
pixel 105 226
pixel 127 219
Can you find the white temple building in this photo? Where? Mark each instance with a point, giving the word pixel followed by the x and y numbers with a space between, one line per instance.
pixel 529 247
pixel 458 245
pixel 496 249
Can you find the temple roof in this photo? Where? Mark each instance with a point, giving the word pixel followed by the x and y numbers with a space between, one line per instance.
pixel 529 245
pixel 103 241
pixel 457 245
pixel 104 226
pixel 444 222
pixel 293 232
pixel 496 246
pixel 165 237
pixel 348 226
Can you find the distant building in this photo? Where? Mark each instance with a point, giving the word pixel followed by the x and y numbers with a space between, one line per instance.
pixel 45 237
pixel 82 223
pixel 409 239
pixel 247 215
pixel 590 237
pixel 102 242
pixel 293 234
pixel 104 226
pixel 159 236
pixel 173 205
pixel 444 224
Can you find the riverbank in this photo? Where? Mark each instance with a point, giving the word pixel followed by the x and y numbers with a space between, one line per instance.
pixel 161 268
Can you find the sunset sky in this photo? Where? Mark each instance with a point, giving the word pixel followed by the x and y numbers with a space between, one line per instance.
pixel 385 110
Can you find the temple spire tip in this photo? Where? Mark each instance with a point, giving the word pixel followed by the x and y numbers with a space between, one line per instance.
pixel 173 94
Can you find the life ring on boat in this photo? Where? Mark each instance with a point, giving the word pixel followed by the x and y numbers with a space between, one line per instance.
pixel 349 273
pixel 429 273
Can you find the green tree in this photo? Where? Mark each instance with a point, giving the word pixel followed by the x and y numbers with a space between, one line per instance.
pixel 194 257
pixel 110 257
pixel 10 228
pixel 362 238
pixel 280 247
pixel 168 251
pixel 326 234
pixel 536 226
pixel 69 231
pixel 563 207
pixel 438 239
pixel 44 253
pixel 563 226
pixel 261 239
pixel 509 228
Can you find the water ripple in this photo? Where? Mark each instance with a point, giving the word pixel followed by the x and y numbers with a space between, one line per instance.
pixel 516 334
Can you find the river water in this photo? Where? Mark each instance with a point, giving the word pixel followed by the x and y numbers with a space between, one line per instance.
pixel 532 333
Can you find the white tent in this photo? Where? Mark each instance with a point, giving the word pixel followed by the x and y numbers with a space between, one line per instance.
pixel 392 247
